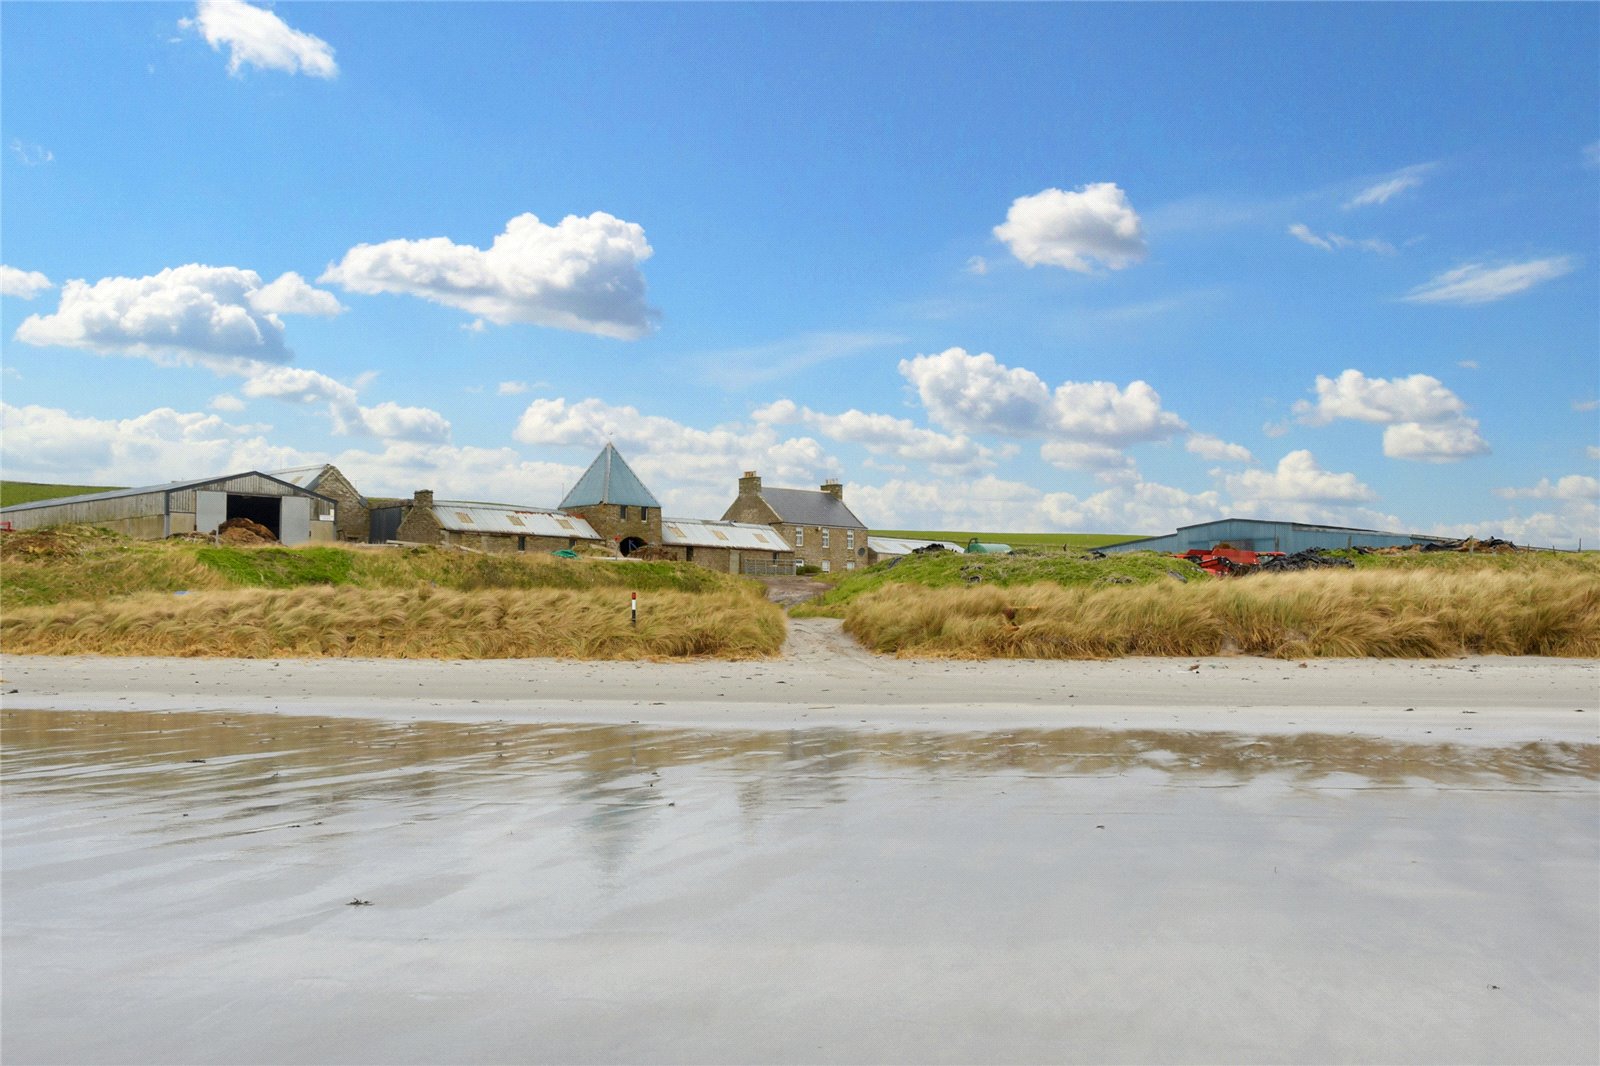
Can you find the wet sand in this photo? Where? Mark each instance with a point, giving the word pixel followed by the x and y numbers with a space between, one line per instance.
pixel 1250 862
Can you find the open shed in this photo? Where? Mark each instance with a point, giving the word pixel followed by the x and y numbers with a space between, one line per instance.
pixel 294 514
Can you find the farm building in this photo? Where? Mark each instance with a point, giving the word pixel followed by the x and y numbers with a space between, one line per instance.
pixel 611 498
pixel 325 479
pixel 295 515
pixel 1253 534
pixel 825 533
pixel 491 527
pixel 732 547
pixel 880 548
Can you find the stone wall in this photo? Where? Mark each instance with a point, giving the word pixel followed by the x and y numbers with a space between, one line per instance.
pixel 607 519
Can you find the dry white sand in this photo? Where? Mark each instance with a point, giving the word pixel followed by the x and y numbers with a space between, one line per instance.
pixel 825 678
pixel 828 857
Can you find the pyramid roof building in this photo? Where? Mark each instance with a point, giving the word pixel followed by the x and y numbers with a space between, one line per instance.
pixel 609 479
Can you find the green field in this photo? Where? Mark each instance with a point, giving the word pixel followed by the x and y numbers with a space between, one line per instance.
pixel 15 492
pixel 1016 540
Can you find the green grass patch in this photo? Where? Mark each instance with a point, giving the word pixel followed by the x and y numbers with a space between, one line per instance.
pixel 1016 540
pixel 279 568
pixel 64 564
pixel 15 492
pixel 1068 567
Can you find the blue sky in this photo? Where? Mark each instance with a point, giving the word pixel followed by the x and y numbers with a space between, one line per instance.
pixel 1048 267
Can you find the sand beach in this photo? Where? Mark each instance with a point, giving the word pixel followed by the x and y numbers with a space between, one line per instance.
pixel 825 857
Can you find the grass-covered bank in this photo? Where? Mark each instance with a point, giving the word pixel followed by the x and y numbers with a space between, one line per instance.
pixel 417 623
pixel 68 563
pixel 956 570
pixel 81 590
pixel 1406 613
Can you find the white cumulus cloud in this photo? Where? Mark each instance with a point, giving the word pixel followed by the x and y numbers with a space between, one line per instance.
pixel 291 295
pixel 1085 424
pixel 882 435
pixel 195 313
pixel 1353 395
pixel 1217 450
pixel 1069 229
pixel 23 284
pixel 255 37
pixel 1298 479
pixel 1475 283
pixel 1426 421
pixel 511 388
pixel 387 420
pixel 1571 487
pixel 581 274
pixel 226 402
pixel 49 444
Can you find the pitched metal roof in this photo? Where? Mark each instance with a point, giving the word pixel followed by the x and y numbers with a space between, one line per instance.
pixel 304 476
pixel 149 490
pixel 465 516
pixel 905 546
pixel 810 507
pixel 704 533
pixel 609 479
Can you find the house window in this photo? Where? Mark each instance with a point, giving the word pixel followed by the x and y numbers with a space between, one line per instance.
pixel 825 539
pixel 827 566
pixel 850 539
pixel 622 511
pixel 799 537
pixel 849 566
pixel 644 514
pixel 522 544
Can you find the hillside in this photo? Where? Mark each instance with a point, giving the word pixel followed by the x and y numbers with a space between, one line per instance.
pixel 82 590
pixel 15 492
pixel 1016 540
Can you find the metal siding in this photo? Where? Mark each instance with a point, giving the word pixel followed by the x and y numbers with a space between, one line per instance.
pixel 211 510
pixel 294 520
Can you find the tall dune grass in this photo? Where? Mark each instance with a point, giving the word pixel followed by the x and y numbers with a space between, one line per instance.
pixel 422 622
pixel 1381 614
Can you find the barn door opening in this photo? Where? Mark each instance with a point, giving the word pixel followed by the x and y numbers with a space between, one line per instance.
pixel 263 509
pixel 630 545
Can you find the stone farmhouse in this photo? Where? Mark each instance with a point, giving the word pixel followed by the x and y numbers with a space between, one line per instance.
pixel 824 532
pixel 354 518
pixel 734 547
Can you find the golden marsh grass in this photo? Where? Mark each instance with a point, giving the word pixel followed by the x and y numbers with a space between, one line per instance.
pixel 1372 613
pixel 422 622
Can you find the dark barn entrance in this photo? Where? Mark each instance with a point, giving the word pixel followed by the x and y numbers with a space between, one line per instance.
pixel 630 545
pixel 263 509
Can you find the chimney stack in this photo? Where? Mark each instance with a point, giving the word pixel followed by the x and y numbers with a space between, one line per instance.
pixel 750 484
pixel 423 498
pixel 833 487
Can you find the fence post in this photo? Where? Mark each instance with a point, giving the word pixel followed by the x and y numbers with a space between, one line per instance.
pixel 633 610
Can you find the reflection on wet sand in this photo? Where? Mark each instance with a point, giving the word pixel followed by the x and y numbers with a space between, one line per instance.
pixel 587 893
pixel 176 753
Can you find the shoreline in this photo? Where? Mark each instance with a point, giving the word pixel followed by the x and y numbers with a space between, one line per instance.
pixel 1472 700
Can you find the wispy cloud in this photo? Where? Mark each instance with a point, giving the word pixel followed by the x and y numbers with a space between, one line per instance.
pixel 740 368
pixel 1335 242
pixel 1388 188
pixel 1474 283
pixel 32 155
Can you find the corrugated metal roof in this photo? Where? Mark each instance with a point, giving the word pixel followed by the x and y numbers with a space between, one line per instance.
pixel 704 533
pixel 464 516
pixel 609 479
pixel 904 546
pixel 144 490
pixel 304 476
pixel 810 507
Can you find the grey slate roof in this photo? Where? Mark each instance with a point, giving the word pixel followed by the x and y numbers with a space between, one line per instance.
pixel 809 507
pixel 609 479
